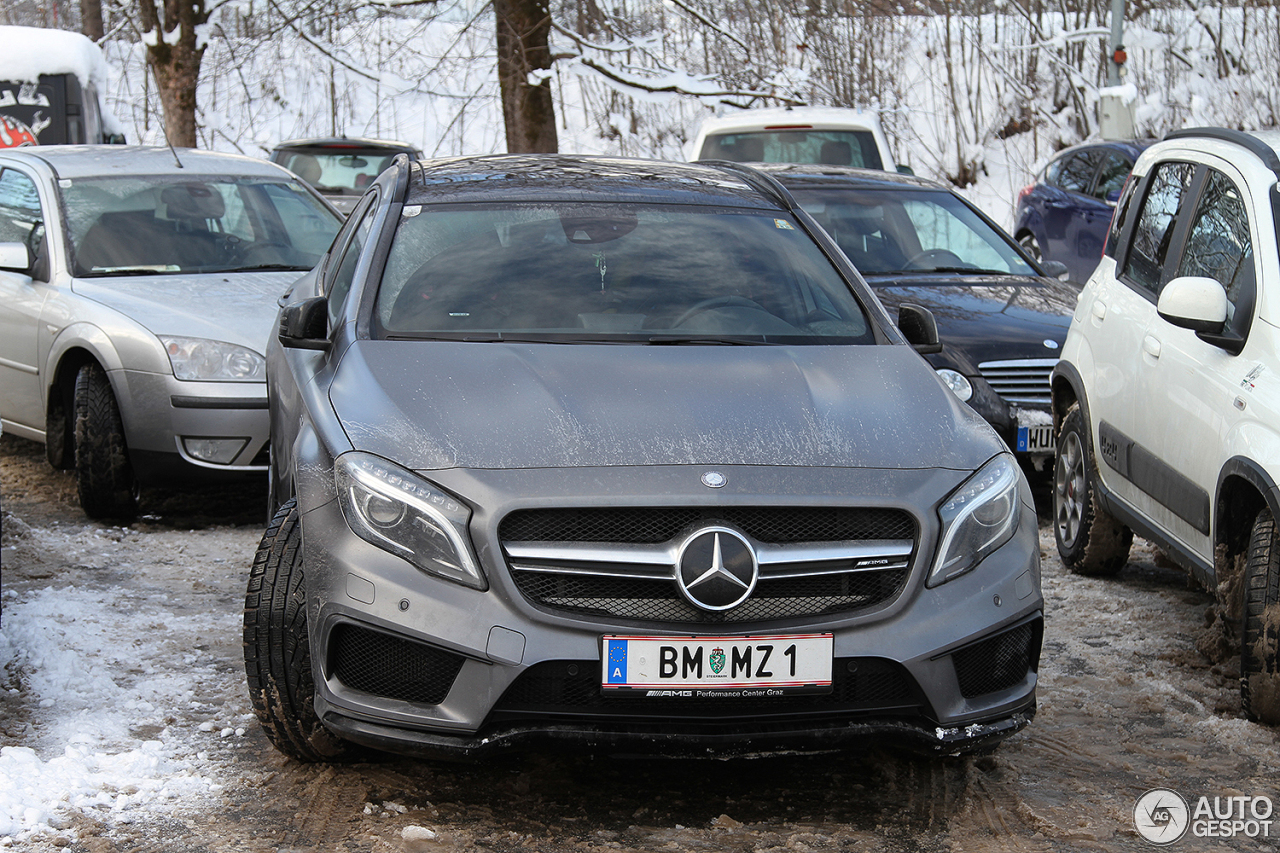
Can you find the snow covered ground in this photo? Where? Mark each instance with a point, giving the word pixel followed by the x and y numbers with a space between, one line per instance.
pixel 125 725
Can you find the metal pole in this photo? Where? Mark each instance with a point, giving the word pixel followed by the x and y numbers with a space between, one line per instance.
pixel 1117 41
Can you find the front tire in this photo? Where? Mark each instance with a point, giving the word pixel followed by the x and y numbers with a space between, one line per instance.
pixel 1259 655
pixel 1090 541
pixel 105 481
pixel 1031 246
pixel 277 648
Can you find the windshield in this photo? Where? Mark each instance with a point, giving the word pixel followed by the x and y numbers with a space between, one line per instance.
pixel 910 231
pixel 828 147
pixel 150 224
pixel 340 171
pixel 639 273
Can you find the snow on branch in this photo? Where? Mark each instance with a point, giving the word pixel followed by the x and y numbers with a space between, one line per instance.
pixel 671 82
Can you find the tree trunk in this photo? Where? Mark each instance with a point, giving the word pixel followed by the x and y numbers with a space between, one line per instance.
pixel 524 28
pixel 91 19
pixel 169 27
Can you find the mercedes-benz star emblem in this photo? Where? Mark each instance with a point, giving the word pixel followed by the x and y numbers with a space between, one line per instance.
pixel 717 568
pixel 714 479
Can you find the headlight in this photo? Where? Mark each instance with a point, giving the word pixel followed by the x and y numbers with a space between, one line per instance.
pixel 959 386
pixel 977 518
pixel 398 511
pixel 200 360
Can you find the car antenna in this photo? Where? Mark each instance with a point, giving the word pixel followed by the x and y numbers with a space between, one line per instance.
pixel 173 151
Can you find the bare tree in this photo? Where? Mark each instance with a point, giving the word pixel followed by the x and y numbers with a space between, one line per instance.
pixel 91 19
pixel 524 64
pixel 173 55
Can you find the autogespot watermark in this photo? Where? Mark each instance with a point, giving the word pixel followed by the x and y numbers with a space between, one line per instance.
pixel 1163 817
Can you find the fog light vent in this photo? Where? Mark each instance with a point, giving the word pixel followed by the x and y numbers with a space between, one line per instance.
pixel 996 663
pixel 384 665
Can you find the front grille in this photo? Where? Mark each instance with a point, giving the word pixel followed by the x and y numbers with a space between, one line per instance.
pixel 659 524
pixel 997 663
pixel 572 689
pixel 1023 382
pixel 659 600
pixel 394 667
pixel 620 563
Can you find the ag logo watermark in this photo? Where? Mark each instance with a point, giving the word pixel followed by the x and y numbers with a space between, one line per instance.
pixel 1162 817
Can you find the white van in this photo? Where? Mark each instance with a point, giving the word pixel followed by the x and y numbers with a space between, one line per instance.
pixel 811 135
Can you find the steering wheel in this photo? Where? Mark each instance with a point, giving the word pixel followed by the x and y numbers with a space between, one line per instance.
pixel 714 303
pixel 936 258
pixel 258 252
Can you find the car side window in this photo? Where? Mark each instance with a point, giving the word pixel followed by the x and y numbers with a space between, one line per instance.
pixel 1115 168
pixel 1219 246
pixel 1077 172
pixel 1144 262
pixel 21 219
pixel 1120 217
pixel 344 273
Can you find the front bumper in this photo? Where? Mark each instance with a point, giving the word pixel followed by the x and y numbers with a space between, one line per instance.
pixel 916 737
pixel 166 420
pixel 412 664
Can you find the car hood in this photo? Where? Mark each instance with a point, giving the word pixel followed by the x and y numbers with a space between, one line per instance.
pixel 989 318
pixel 435 405
pixel 239 308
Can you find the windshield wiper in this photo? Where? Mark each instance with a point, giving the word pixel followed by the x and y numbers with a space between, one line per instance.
pixel 260 267
pixel 681 340
pixel 123 271
pixel 963 270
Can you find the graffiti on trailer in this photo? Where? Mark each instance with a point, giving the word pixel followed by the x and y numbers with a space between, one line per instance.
pixel 15 134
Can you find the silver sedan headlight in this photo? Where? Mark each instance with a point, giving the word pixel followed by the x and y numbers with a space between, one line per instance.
pixel 977 518
pixel 956 381
pixel 201 360
pixel 398 511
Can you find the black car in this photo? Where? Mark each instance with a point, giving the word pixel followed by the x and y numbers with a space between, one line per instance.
pixel 340 168
pixel 1001 316
pixel 1064 215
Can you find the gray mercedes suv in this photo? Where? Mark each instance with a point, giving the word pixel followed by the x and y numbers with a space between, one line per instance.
pixel 624 454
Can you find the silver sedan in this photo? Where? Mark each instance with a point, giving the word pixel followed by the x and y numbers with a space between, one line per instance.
pixel 138 288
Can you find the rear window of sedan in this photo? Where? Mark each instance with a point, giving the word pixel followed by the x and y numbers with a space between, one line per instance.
pixel 591 272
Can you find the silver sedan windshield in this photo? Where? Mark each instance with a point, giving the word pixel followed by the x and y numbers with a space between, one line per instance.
pixel 645 273
pixel 145 225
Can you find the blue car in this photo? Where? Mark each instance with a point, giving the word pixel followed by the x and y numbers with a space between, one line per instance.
pixel 1064 215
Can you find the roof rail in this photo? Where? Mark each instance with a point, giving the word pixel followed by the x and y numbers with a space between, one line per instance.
pixel 758 180
pixel 1265 152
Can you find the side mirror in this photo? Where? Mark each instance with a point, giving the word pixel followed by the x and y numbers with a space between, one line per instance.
pixel 305 324
pixel 1195 303
pixel 919 328
pixel 905 170
pixel 1055 269
pixel 16 257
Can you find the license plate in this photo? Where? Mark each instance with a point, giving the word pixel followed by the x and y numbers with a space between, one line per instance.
pixel 718 666
pixel 1036 439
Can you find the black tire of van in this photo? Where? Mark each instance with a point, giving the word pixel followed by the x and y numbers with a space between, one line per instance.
pixel 1090 540
pixel 1260 636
